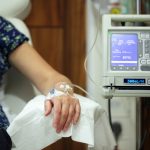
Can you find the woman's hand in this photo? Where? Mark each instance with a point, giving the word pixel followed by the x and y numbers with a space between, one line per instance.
pixel 66 111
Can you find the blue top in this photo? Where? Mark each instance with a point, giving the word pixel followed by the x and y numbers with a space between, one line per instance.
pixel 10 39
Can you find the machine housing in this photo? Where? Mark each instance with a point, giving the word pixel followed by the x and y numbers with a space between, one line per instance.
pixel 126 55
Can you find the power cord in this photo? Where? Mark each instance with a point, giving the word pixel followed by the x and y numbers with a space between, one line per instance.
pixel 115 126
pixel 146 135
pixel 147 122
pixel 109 113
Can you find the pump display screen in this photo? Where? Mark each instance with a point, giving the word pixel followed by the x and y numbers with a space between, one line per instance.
pixel 124 49
pixel 134 81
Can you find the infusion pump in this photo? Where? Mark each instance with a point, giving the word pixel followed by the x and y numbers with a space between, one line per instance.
pixel 126 55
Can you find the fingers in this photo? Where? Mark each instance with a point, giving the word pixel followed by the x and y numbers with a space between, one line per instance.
pixel 63 118
pixel 66 111
pixel 77 112
pixel 57 112
pixel 48 107
pixel 69 119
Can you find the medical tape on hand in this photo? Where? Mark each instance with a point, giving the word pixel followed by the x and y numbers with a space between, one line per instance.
pixel 53 93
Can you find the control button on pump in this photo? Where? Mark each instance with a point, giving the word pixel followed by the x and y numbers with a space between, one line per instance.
pixel 120 68
pixel 146 55
pixel 134 68
pixel 148 61
pixel 145 68
pixel 143 35
pixel 147 44
pixel 114 68
pixel 147 41
pixel 147 36
pixel 143 61
pixel 148 81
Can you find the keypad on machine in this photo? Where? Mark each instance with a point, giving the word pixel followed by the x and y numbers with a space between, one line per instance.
pixel 144 51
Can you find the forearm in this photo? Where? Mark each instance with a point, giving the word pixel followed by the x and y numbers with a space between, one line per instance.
pixel 66 107
pixel 30 63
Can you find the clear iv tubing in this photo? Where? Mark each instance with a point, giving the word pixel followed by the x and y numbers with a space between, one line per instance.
pixel 85 63
pixel 80 88
pixel 91 49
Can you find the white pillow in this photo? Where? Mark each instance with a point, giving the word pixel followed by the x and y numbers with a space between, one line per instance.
pixel 15 8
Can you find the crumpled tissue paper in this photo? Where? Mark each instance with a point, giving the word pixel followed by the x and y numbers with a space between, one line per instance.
pixel 32 130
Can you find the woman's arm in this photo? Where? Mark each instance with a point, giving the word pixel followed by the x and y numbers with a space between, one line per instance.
pixel 30 63
pixel 26 59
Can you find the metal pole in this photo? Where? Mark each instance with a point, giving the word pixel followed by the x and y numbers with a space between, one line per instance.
pixel 138 7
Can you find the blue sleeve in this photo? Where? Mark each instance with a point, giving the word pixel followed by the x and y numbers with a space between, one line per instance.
pixel 10 39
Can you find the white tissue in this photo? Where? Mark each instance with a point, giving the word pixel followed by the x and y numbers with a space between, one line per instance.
pixel 31 130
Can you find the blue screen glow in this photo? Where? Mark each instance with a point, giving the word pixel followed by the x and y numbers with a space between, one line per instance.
pixel 134 81
pixel 124 49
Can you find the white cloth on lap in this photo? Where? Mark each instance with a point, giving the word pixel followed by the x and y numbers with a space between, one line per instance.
pixel 31 130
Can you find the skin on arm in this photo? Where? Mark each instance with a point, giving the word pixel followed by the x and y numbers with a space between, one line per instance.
pixel 44 77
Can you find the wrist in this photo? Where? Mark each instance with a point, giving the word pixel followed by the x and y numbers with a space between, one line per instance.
pixel 64 87
pixel 60 88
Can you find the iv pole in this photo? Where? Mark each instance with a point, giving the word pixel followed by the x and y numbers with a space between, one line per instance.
pixel 139 141
pixel 138 103
pixel 138 8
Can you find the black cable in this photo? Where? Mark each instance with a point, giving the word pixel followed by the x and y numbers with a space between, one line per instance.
pixel 146 133
pixel 109 113
pixel 116 126
pixel 123 23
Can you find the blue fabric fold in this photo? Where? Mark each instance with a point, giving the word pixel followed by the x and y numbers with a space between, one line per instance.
pixel 10 39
